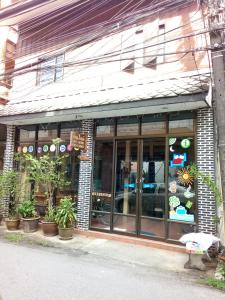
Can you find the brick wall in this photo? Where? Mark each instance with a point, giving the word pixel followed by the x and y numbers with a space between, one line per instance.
pixel 85 179
pixel 206 163
pixel 8 160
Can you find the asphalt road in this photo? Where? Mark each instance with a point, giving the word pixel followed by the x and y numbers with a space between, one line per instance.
pixel 52 274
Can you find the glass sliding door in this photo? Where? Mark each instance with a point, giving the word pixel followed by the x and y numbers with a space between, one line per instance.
pixel 152 188
pixel 125 201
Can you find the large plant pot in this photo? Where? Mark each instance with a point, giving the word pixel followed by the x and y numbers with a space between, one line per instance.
pixel 12 224
pixel 49 228
pixel 66 233
pixel 30 225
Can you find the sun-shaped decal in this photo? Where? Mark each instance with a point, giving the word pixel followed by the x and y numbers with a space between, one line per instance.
pixel 184 177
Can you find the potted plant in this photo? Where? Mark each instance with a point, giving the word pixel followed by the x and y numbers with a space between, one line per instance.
pixel 29 216
pixel 65 218
pixel 13 220
pixel 9 183
pixel 47 173
pixel 49 225
pixel 1 214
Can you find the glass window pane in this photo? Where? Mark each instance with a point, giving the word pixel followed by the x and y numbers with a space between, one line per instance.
pixel 127 127
pixel 126 177
pixel 3 131
pixel 47 132
pixel 181 122
pixel 100 220
pixel 152 227
pixel 176 230
pixel 105 130
pixel 124 223
pixel 181 194
pixel 102 176
pixel 66 129
pixel 27 133
pixel 153 178
pixel 154 124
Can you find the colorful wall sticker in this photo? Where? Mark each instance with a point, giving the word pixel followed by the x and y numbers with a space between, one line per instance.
pixel 24 149
pixel 181 215
pixel 45 148
pixel 185 143
pixel 173 187
pixel 31 149
pixel 52 148
pixel 172 141
pixel 69 147
pixel 184 177
pixel 178 160
pixel 39 150
pixel 173 202
pixel 171 149
pixel 188 194
pixel 19 149
pixel 189 204
pixel 62 148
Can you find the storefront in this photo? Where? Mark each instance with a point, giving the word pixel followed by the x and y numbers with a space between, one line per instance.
pixel 141 185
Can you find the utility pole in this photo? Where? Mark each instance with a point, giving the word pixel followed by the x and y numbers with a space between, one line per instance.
pixel 216 12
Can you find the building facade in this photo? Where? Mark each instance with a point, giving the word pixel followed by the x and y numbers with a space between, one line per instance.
pixel 135 84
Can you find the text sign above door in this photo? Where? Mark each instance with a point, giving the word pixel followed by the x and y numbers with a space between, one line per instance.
pixel 78 140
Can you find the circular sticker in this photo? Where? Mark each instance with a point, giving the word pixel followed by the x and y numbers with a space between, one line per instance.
pixel 45 148
pixel 69 147
pixel 52 148
pixel 62 148
pixel 185 143
pixel 39 150
pixel 172 141
pixel 19 149
pixel 31 149
pixel 24 149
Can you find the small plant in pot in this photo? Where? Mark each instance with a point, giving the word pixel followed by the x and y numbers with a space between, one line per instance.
pixel 49 225
pixel 65 218
pixel 13 220
pixel 29 216
pixel 9 188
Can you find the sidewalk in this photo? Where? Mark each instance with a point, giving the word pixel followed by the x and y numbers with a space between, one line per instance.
pixel 106 248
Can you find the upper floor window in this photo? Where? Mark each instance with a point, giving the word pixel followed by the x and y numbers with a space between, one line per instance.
pixel 51 70
pixel 9 62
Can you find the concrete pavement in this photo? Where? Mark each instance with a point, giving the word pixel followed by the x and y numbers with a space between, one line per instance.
pixel 37 273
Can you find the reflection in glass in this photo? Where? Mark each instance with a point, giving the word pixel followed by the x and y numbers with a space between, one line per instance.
pixel 124 223
pixel 176 230
pixel 153 178
pixel 127 127
pixel 126 177
pixel 102 185
pixel 152 227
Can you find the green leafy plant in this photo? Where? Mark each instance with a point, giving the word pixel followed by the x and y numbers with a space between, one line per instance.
pixel 221 268
pixel 46 171
pixel 27 209
pixel 216 283
pixel 50 215
pixel 207 180
pixel 10 187
pixel 66 213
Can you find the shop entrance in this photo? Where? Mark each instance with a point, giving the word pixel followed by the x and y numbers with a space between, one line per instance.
pixel 139 191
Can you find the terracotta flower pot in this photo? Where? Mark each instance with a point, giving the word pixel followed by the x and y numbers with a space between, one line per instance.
pixel 12 224
pixel 30 224
pixel 49 228
pixel 66 233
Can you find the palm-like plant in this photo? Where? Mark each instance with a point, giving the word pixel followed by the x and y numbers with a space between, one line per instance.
pixel 66 213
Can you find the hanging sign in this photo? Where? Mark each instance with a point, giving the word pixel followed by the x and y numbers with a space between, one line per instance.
pixel 78 140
